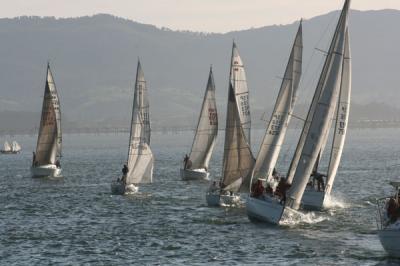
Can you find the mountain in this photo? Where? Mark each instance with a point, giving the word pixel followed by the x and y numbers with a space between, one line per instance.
pixel 94 62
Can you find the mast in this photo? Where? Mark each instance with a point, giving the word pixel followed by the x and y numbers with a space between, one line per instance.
pixel 324 109
pixel 279 122
pixel 207 128
pixel 238 82
pixel 49 141
pixel 140 156
pixel 342 117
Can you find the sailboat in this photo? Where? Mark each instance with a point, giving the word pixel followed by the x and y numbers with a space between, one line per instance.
pixel 389 221
pixel 46 159
pixel 14 148
pixel 264 167
pixel 238 159
pixel 139 167
pixel 315 198
pixel 196 165
pixel 316 127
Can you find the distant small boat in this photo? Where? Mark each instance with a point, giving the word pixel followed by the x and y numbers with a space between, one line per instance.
pixel 46 159
pixel 196 164
pixel 139 168
pixel 389 221
pixel 238 159
pixel 14 148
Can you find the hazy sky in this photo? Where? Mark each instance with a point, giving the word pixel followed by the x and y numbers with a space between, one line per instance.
pixel 198 15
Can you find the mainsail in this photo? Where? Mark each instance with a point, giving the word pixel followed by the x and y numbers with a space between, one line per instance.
pixel 7 146
pixel 207 129
pixel 48 146
pixel 15 146
pixel 330 82
pixel 140 157
pixel 342 117
pixel 239 84
pixel 238 159
pixel 279 122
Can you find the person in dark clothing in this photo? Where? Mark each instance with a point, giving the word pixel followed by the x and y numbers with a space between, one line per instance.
pixel 186 162
pixel 268 190
pixel 33 159
pixel 259 189
pixel 393 210
pixel 58 164
pixel 320 180
pixel 125 171
pixel 281 189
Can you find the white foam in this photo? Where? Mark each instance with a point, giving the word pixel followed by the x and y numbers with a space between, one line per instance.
pixel 292 217
pixel 335 202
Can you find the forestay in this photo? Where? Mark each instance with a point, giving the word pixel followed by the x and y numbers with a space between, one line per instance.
pixel 207 128
pixel 239 84
pixel 342 117
pixel 140 157
pixel 238 159
pixel 322 113
pixel 48 146
pixel 279 122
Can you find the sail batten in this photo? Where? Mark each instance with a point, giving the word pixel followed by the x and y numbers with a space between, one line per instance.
pixel 207 128
pixel 280 118
pixel 140 156
pixel 49 141
pixel 324 106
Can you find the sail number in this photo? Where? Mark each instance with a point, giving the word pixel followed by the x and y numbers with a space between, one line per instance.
pixel 342 120
pixel 276 124
pixel 212 116
pixel 244 104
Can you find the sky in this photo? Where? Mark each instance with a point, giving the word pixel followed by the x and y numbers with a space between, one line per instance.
pixel 194 15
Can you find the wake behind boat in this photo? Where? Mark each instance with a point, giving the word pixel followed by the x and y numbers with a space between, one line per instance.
pixel 389 221
pixel 46 159
pixel 139 168
pixel 195 165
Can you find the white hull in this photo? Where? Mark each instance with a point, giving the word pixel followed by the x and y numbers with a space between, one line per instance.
pixel 49 170
pixel 119 188
pixel 194 174
pixel 313 200
pixel 267 210
pixel 216 200
pixel 390 240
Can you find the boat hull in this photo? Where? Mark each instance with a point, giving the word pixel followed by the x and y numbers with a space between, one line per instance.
pixel 267 210
pixel 390 240
pixel 214 199
pixel 194 174
pixel 49 170
pixel 9 152
pixel 313 200
pixel 119 188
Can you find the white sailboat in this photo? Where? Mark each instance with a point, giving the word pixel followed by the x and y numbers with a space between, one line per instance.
pixel 389 221
pixel 140 157
pixel 238 159
pixel 276 128
pixel 16 148
pixel 46 159
pixel 314 131
pixel 196 165
pixel 314 198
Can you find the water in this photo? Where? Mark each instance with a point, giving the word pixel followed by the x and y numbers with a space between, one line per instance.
pixel 75 220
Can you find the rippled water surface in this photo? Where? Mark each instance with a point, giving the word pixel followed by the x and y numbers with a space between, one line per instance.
pixel 75 220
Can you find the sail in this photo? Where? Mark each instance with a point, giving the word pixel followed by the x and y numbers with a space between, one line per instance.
pixel 279 122
pixel 140 156
pixel 238 159
pixel 323 112
pixel 48 146
pixel 239 84
pixel 342 117
pixel 207 128
pixel 7 146
pixel 15 146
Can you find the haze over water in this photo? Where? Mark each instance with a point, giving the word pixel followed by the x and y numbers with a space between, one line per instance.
pixel 75 220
